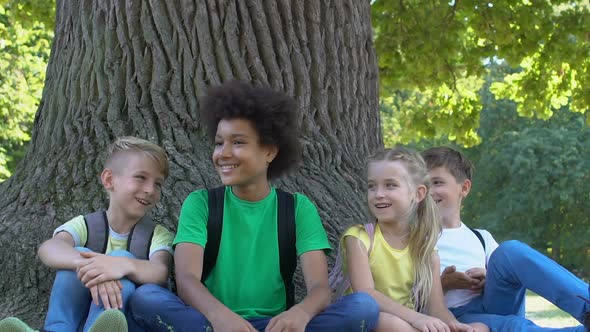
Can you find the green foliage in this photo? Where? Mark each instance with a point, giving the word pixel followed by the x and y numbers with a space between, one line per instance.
pixel 531 179
pixel 31 13
pixel 24 52
pixel 533 185
pixel 433 58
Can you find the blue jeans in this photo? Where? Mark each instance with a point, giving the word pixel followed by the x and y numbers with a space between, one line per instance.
pixel 154 308
pixel 70 303
pixel 513 268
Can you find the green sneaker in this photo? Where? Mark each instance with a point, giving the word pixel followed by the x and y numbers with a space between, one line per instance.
pixel 13 324
pixel 111 320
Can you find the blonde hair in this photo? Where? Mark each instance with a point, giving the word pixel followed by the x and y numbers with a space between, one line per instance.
pixel 124 145
pixel 425 227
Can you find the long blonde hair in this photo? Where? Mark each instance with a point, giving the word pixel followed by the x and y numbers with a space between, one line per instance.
pixel 425 227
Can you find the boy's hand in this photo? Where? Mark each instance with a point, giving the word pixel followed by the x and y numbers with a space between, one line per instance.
pixel 231 322
pixel 98 268
pixel 109 292
pixel 425 323
pixel 292 320
pixel 452 279
pixel 479 274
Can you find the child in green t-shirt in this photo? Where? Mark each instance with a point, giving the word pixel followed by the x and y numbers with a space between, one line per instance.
pixel 256 140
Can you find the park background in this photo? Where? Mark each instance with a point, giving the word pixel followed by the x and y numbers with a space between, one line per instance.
pixel 507 82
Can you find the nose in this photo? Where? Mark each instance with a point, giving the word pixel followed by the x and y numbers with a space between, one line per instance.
pixel 379 192
pixel 149 187
pixel 223 150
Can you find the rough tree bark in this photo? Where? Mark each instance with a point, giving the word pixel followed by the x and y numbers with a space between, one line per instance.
pixel 138 67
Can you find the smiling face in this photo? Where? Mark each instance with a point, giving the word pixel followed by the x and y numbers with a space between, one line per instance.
pixel 448 193
pixel 239 158
pixel 134 183
pixel 391 194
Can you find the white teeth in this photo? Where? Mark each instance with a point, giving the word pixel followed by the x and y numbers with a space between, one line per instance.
pixel 228 166
pixel 143 201
pixel 383 205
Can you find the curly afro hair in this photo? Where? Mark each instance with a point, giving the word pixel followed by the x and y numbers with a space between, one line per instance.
pixel 271 113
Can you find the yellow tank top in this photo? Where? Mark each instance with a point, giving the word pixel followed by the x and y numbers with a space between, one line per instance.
pixel 392 269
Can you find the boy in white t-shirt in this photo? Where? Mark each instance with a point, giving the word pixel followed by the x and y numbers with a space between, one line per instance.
pixel 484 282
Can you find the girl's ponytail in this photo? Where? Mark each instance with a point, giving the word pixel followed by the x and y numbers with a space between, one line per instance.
pixel 424 234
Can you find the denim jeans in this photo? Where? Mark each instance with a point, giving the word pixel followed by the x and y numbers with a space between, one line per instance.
pixel 70 303
pixel 153 308
pixel 513 268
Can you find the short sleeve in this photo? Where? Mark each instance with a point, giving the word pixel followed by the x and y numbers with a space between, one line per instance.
pixel 192 223
pixel 162 240
pixel 359 232
pixel 311 234
pixel 76 227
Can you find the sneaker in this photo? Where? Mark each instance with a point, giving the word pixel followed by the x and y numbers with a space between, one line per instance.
pixel 13 324
pixel 111 320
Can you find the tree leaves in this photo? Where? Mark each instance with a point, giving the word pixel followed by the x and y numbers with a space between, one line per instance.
pixel 438 53
pixel 24 52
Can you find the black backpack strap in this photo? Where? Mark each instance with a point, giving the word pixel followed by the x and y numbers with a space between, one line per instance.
pixel 214 227
pixel 97 230
pixel 287 241
pixel 478 234
pixel 140 238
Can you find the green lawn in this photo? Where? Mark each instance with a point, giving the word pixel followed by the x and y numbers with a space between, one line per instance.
pixel 544 313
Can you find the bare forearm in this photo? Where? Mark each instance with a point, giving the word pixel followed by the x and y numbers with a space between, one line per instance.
pixel 316 300
pixel 146 272
pixel 388 305
pixel 443 314
pixel 59 255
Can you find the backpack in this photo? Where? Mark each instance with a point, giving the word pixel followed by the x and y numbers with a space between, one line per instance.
pixel 285 229
pixel 478 234
pixel 338 279
pixel 138 242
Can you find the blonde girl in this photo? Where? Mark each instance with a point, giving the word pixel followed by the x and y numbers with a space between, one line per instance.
pixel 398 271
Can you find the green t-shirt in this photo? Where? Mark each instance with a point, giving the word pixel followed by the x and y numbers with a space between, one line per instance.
pixel 247 277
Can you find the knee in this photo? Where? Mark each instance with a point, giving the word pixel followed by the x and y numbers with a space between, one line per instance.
pixel 510 249
pixel 363 307
pixel 121 253
pixel 146 295
pixel 511 246
pixel 67 275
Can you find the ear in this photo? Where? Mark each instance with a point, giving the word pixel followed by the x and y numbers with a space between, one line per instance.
pixel 271 153
pixel 465 187
pixel 421 193
pixel 107 179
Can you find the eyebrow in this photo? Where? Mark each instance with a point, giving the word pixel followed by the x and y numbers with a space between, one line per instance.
pixel 234 135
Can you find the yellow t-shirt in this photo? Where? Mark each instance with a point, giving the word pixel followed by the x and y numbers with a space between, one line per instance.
pixel 162 239
pixel 392 269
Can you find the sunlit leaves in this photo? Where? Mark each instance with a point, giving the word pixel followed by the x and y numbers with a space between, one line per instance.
pixel 24 52
pixel 434 48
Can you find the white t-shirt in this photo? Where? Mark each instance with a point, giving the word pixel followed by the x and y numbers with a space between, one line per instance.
pixel 461 247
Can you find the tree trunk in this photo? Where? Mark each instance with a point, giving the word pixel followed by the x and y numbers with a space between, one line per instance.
pixel 138 68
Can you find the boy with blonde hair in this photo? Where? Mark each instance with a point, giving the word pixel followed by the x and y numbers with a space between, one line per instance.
pixel 485 282
pixel 102 256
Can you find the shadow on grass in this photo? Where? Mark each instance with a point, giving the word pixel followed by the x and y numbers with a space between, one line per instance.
pixel 544 313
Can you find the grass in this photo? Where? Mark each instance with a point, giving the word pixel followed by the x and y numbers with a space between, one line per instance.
pixel 544 313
